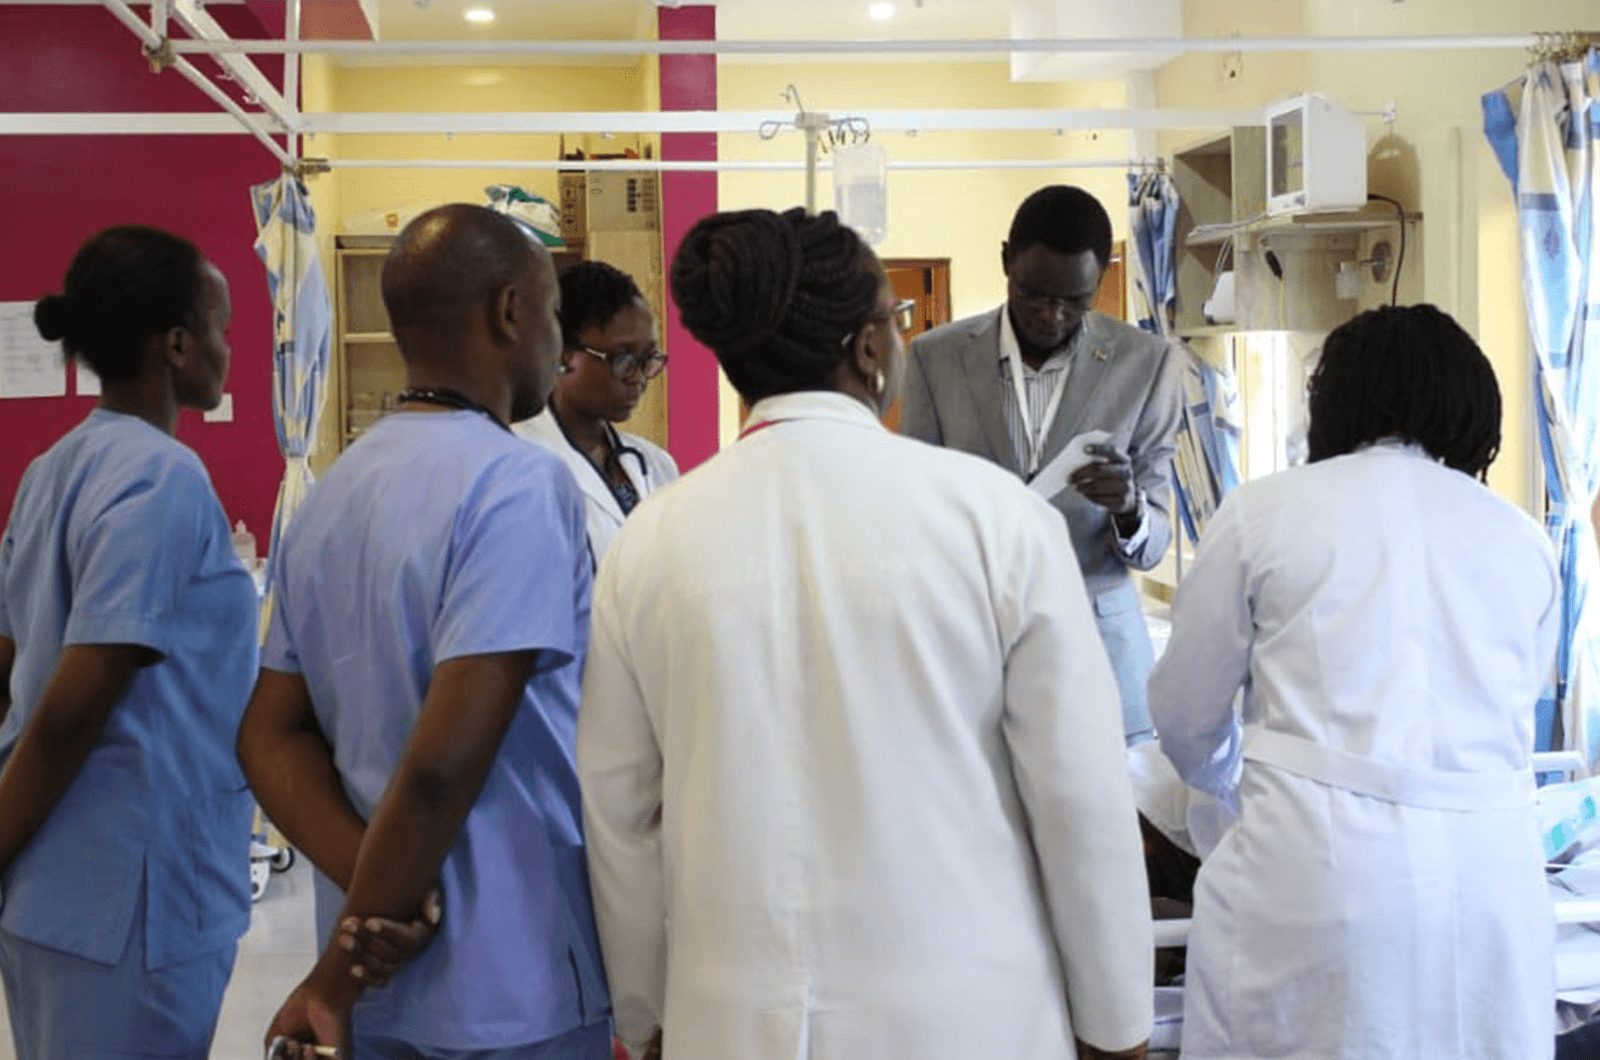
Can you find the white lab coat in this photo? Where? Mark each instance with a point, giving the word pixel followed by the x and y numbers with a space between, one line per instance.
pixel 604 514
pixel 1381 896
pixel 852 761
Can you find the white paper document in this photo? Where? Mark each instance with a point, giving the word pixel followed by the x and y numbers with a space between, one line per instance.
pixel 30 367
pixel 1052 478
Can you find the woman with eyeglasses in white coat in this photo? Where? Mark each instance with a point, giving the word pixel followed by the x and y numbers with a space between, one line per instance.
pixel 609 355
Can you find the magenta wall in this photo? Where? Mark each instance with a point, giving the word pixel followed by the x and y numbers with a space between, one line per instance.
pixel 688 82
pixel 55 191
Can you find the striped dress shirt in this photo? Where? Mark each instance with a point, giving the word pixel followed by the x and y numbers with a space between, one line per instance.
pixel 1039 385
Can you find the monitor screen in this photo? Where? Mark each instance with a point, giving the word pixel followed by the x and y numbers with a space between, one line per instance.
pixel 1286 142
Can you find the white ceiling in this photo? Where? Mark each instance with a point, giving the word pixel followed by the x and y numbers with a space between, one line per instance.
pixel 736 19
pixel 403 20
pixel 848 19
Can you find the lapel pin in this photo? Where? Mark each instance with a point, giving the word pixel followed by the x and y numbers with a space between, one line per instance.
pixel 1099 355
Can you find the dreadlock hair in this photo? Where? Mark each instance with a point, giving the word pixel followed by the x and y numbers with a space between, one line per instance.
pixel 775 295
pixel 592 292
pixel 1065 219
pixel 1407 372
pixel 124 285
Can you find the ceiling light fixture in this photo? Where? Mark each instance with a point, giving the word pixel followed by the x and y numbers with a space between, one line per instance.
pixel 480 15
pixel 881 12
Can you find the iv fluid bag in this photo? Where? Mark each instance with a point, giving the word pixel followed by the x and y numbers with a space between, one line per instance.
pixel 861 190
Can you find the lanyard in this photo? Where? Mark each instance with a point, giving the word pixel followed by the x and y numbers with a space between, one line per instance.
pixel 452 399
pixel 1035 438
pixel 756 428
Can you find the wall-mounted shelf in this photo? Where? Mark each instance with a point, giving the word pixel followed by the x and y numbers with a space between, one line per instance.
pixel 1210 235
pixel 1222 183
pixel 1285 269
pixel 1309 225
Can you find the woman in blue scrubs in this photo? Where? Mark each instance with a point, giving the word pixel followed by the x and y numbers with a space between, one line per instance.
pixel 127 653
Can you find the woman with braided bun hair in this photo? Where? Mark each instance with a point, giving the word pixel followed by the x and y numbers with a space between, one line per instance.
pixel 850 746
pixel 1392 624
pixel 775 296
pixel 127 653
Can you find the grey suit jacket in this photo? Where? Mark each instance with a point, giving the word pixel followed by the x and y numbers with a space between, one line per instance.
pixel 1124 381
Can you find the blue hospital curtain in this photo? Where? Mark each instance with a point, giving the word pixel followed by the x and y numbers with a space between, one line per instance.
pixel 1206 465
pixel 302 316
pixel 1543 129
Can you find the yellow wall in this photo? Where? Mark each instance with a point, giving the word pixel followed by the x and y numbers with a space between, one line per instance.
pixel 961 214
pixel 957 214
pixel 464 89
pixel 1434 159
pixel 343 196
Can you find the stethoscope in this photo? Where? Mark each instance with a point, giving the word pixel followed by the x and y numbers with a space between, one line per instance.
pixel 628 495
pixel 619 450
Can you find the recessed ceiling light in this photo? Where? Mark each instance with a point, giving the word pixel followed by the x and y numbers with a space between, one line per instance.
pixel 480 15
pixel 881 12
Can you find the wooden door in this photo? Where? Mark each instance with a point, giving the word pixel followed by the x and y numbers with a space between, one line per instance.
pixel 925 281
pixel 1112 298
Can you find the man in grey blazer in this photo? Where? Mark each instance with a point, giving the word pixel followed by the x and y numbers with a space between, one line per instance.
pixel 1016 384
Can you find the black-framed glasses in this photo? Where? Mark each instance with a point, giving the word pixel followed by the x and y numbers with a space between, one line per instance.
pixel 626 365
pixel 904 315
pixel 1048 302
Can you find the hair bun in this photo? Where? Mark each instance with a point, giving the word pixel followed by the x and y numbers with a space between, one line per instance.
pixel 735 276
pixel 52 315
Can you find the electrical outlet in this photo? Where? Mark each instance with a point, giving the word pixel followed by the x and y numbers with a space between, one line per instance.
pixel 1232 67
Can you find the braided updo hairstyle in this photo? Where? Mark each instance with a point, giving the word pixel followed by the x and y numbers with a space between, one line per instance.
pixel 1410 373
pixel 775 296
pixel 123 286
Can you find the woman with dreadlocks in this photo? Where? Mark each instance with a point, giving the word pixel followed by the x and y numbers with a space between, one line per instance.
pixel 1391 623
pixel 850 746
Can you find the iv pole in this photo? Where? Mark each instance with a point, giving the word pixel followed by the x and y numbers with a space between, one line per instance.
pixel 813 124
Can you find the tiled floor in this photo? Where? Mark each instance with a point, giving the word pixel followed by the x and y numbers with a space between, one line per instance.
pixel 273 955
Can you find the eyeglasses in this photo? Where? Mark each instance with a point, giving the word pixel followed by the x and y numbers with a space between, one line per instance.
pixel 1052 303
pixel 904 315
pixel 626 365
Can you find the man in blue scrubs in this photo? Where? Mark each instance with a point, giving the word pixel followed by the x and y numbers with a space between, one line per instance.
pixel 414 719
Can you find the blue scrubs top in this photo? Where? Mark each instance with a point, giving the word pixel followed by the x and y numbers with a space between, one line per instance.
pixel 117 537
pixel 435 536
